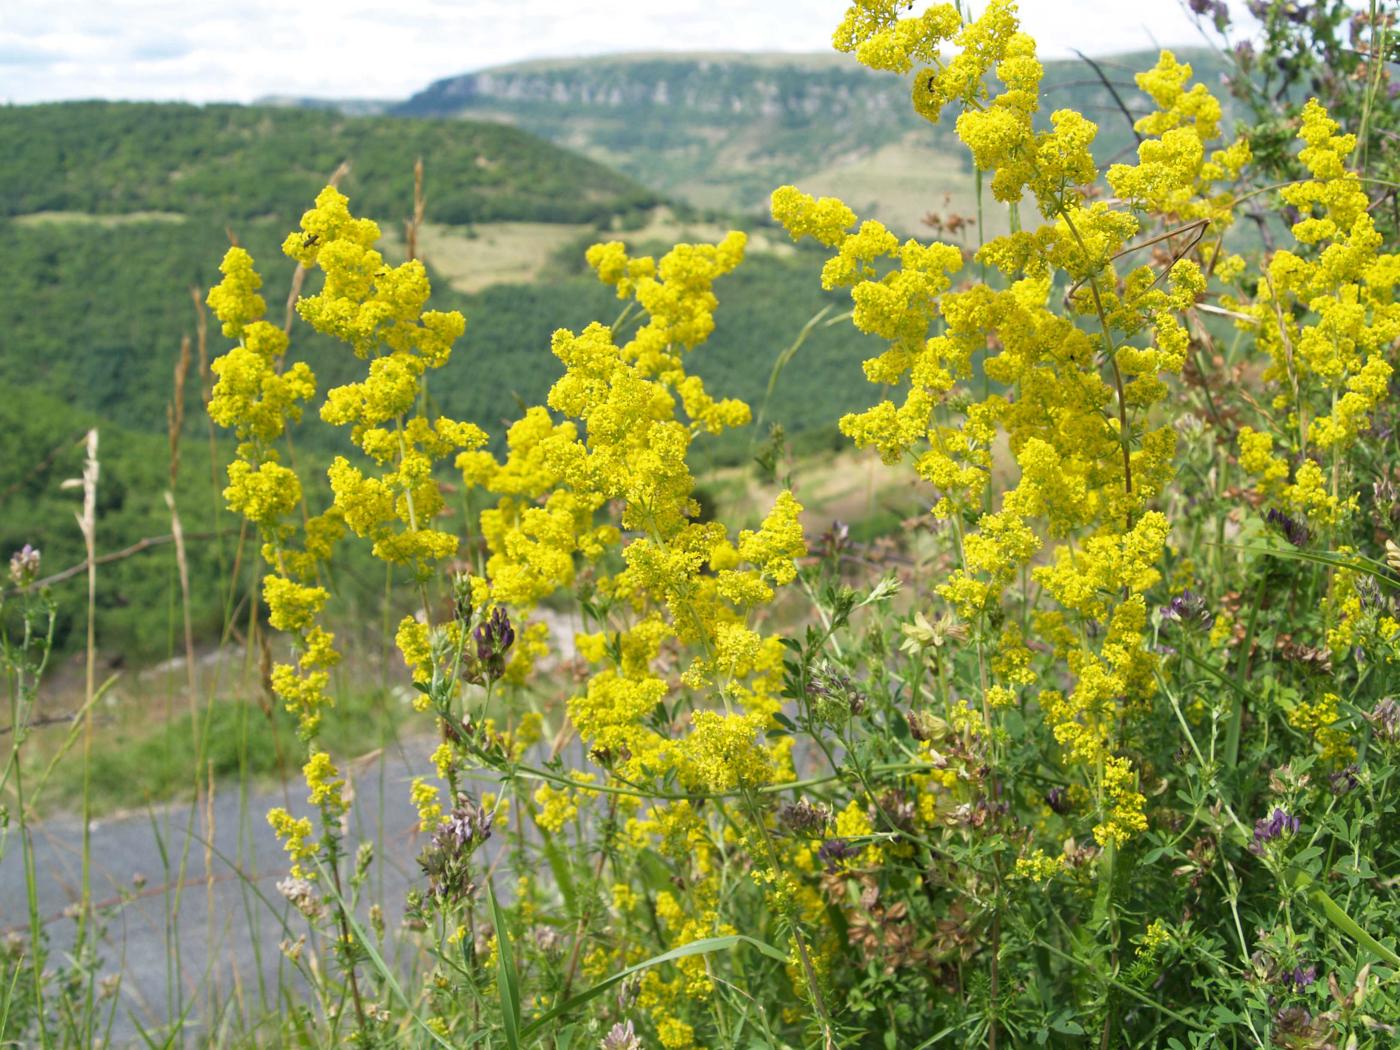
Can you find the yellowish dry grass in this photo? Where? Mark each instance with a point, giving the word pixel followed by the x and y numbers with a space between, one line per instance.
pixel 901 183
pixel 39 218
pixel 475 257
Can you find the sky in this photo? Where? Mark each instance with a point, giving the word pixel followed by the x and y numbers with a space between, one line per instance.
pixel 202 51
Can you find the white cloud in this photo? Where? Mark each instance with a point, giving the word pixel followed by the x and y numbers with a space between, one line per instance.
pixel 205 51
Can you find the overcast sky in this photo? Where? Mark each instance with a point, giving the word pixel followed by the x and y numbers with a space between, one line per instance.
pixel 209 51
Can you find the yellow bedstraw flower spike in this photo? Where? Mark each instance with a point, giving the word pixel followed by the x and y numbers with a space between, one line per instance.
pixel 1039 867
pixel 1123 805
pixel 235 300
pixel 295 833
pixel 323 779
pixel 291 605
pixel 425 799
pixel 825 221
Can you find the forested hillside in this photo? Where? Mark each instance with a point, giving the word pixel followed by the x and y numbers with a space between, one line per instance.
pixel 221 163
pixel 114 213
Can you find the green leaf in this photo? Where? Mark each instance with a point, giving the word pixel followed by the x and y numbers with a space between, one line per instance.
pixel 1354 562
pixel 507 979
pixel 1334 914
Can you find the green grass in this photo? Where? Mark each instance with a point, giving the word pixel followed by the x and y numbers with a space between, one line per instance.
pixel 138 762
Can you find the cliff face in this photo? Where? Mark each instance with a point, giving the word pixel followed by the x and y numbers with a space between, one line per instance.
pixel 718 131
pixel 722 130
pixel 734 87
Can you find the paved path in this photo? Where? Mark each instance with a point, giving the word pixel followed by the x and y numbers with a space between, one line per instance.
pixel 207 941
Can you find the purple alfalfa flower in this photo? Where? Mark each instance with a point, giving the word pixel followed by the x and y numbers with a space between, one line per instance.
pixel 1386 499
pixel 803 818
pixel 1368 592
pixel 1057 798
pixel 1276 825
pixel 1301 977
pixel 835 541
pixel 447 860
pixel 466 826
pixel 835 852
pixel 1190 610
pixel 1294 531
pixel 494 637
pixel 1343 780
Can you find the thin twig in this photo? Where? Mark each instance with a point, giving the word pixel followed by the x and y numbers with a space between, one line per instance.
pixel 103 559
pixel 1103 79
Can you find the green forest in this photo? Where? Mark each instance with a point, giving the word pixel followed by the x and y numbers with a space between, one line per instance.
pixel 103 248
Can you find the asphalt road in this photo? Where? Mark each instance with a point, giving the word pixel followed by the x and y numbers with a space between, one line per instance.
pixel 205 942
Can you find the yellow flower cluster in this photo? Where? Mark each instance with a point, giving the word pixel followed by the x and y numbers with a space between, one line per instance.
pixel 1327 316
pixel 1123 805
pixel 1073 402
pixel 1318 718
pixel 603 480
pixel 558 806
pixel 295 833
pixel 1175 175
pixel 379 311
pixel 253 395
pixel 1039 866
pixel 630 414
pixel 257 397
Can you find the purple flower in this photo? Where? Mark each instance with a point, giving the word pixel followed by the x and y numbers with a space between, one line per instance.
pixel 1385 720
pixel 1294 531
pixel 1189 609
pixel 1274 826
pixel 622 1037
pixel 1369 592
pixel 1343 780
pixel 834 852
pixel 1057 798
pixel 803 818
pixel 494 637
pixel 1301 977
pixel 447 860
pixel 467 825
pixel 835 540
